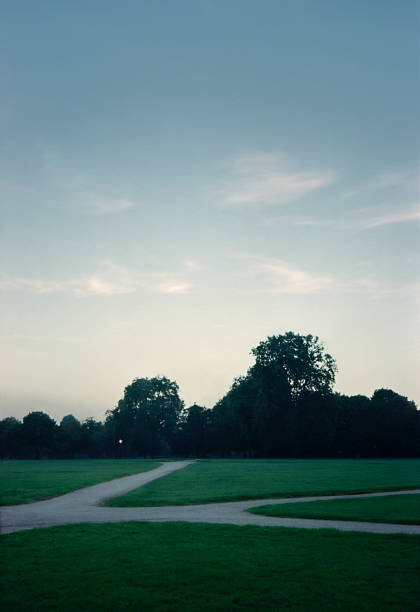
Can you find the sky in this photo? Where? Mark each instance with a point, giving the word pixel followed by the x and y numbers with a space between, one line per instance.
pixel 180 180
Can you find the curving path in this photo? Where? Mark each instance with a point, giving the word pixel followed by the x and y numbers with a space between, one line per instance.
pixel 83 506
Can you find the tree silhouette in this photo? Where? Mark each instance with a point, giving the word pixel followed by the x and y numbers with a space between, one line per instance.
pixel 39 431
pixel 146 417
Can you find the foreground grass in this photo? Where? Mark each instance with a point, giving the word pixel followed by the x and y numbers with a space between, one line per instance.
pixel 393 509
pixel 185 567
pixel 224 480
pixel 25 481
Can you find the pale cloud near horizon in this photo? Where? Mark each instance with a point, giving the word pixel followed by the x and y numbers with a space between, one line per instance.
pixel 175 287
pixel 270 179
pixel 271 275
pixel 109 280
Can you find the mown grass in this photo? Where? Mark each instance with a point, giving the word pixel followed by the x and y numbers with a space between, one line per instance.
pixel 392 509
pixel 24 481
pixel 224 480
pixel 186 567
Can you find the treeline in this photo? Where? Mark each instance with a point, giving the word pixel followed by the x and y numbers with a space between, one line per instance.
pixel 283 407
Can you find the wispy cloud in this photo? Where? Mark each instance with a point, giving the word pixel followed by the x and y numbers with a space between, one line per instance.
pixel 360 219
pixel 8 283
pixel 389 198
pixel 283 277
pixel 108 280
pixel 112 279
pixel 270 179
pixel 393 182
pixel 388 218
pixel 174 287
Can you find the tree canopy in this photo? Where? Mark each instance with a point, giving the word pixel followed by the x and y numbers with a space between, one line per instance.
pixel 39 431
pixel 145 419
pixel 299 361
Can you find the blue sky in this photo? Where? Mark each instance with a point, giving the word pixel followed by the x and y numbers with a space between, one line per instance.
pixel 179 180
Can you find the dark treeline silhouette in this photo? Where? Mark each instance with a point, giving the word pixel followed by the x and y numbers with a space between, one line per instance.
pixel 283 407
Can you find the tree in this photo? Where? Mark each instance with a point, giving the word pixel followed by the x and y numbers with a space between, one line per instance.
pixel 94 437
pixel 40 434
pixel 146 417
pixel 291 371
pixel 267 411
pixel 396 429
pixel 10 437
pixel 222 428
pixel 316 424
pixel 274 413
pixel 300 362
pixel 354 426
pixel 71 435
pixel 192 438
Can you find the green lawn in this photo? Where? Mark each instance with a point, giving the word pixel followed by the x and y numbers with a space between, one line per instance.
pixel 187 567
pixel 25 481
pixel 224 480
pixel 393 509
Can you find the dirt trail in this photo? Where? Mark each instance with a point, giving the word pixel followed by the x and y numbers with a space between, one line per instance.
pixel 83 506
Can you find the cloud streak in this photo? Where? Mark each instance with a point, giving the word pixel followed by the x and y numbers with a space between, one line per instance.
pixel 270 179
pixel 109 280
pixel 362 219
pixel 388 218
pixel 283 277
pixel 175 287
pixel 390 182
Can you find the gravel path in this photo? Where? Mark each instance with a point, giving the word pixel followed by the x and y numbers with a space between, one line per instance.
pixel 83 506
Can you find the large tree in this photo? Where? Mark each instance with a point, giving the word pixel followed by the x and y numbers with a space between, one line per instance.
pixel 282 394
pixel 145 418
pixel 296 362
pixel 39 432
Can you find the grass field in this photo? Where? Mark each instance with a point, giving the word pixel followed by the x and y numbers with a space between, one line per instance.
pixel 393 509
pixel 25 481
pixel 186 567
pixel 224 480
